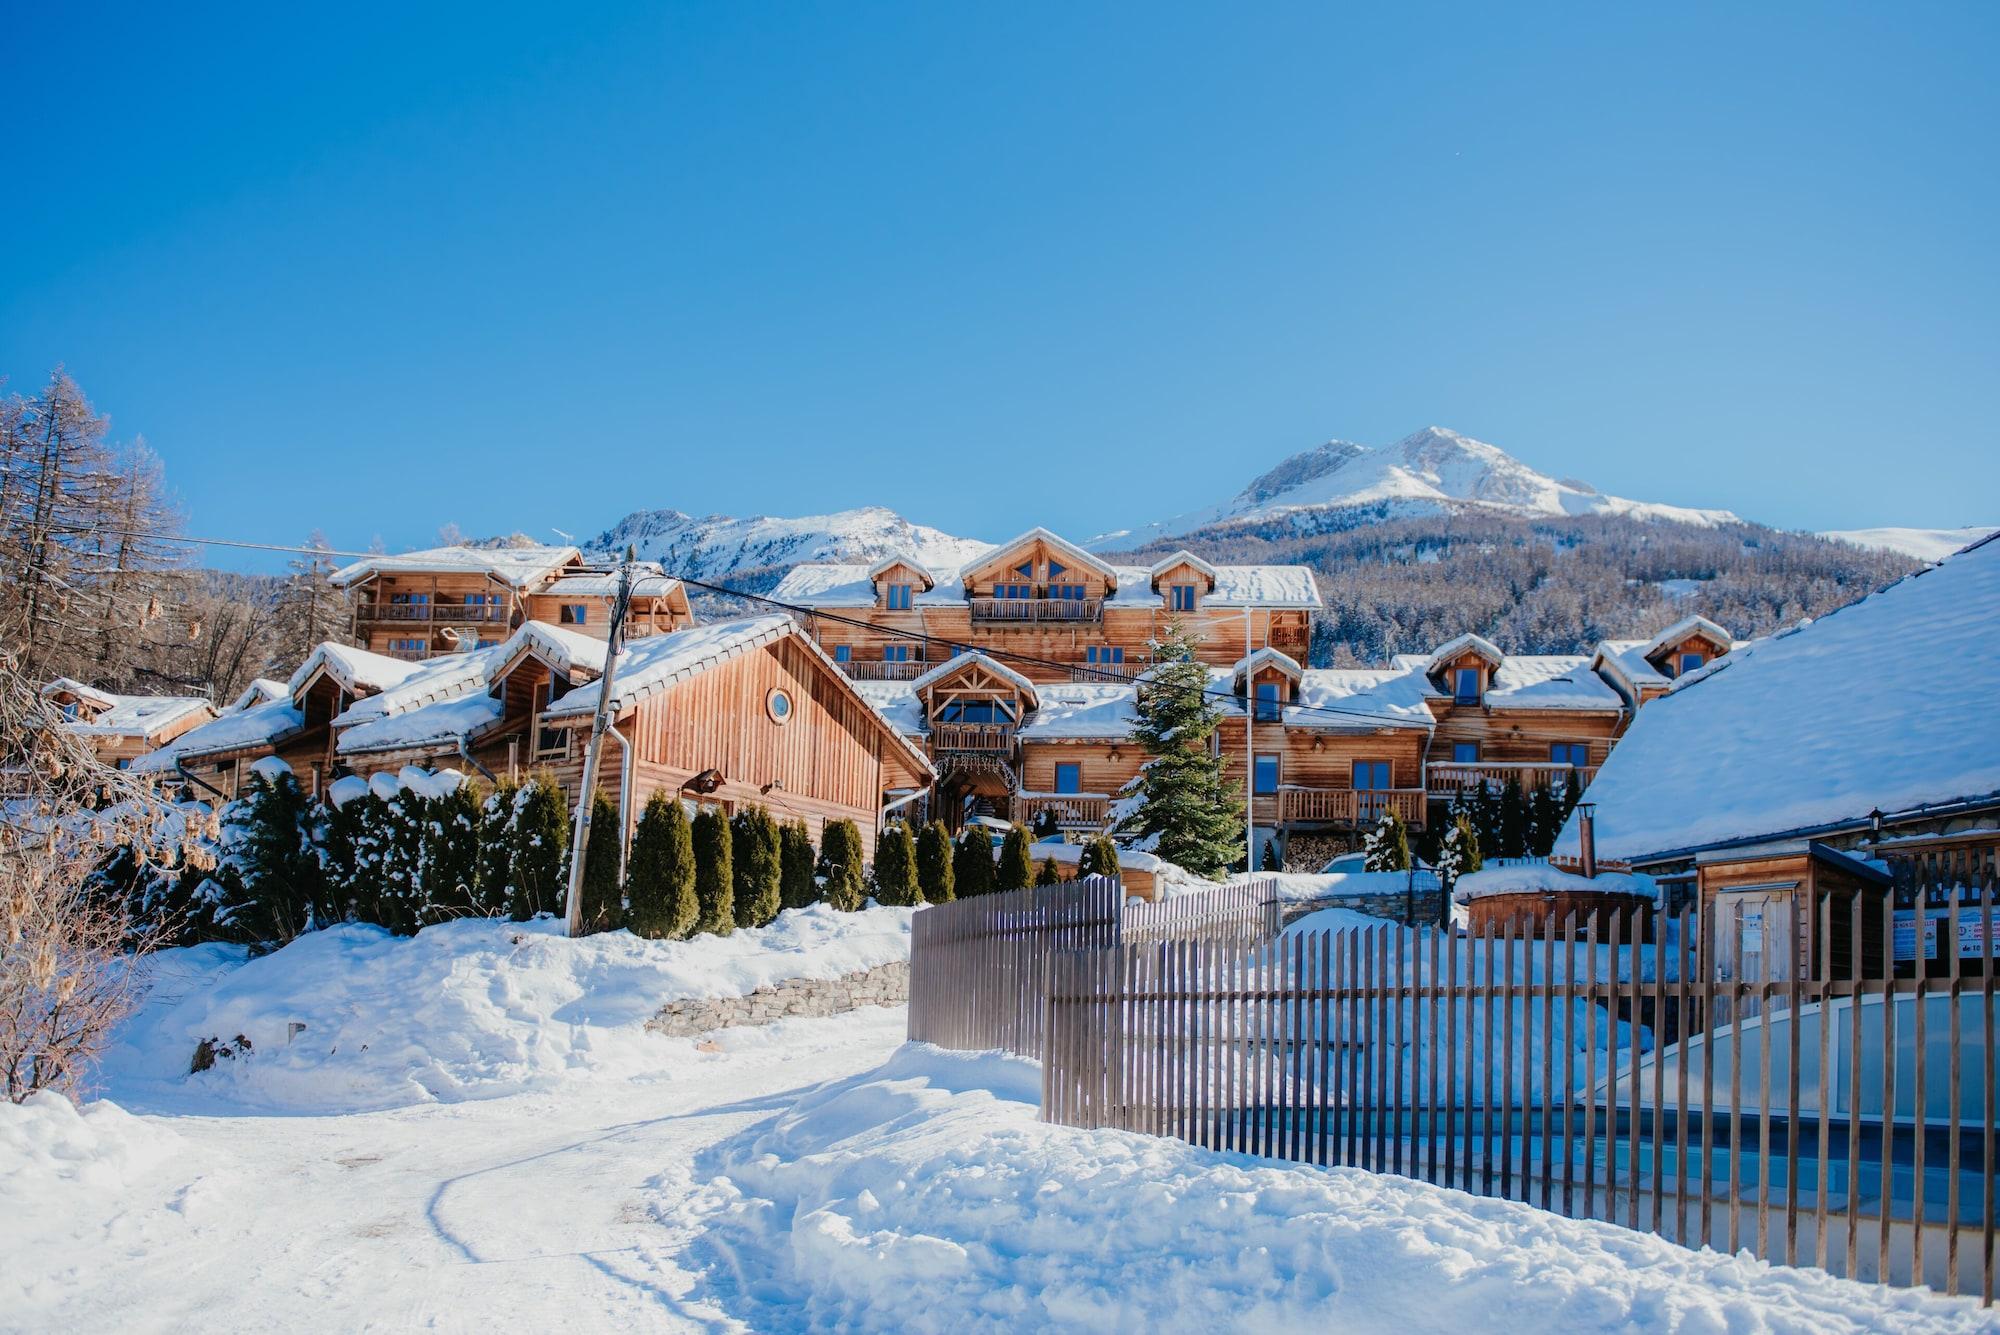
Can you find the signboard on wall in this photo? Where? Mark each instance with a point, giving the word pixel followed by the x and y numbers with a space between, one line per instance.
pixel 1906 938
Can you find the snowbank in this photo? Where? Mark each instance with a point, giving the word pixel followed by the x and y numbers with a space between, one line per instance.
pixel 353 1018
pixel 49 1142
pixel 926 1196
pixel 1540 877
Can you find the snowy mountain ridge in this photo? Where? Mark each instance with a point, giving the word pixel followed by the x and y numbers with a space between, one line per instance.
pixel 1925 544
pixel 1432 471
pixel 754 552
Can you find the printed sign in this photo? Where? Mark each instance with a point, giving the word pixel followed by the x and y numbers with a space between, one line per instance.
pixel 1972 932
pixel 1906 935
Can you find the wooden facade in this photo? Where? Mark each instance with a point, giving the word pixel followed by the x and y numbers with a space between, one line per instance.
pixel 1785 911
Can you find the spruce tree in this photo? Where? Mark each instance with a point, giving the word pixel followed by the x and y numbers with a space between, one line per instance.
pixel 350 892
pixel 270 875
pixel 400 846
pixel 972 863
pixel 1387 847
pixel 1048 873
pixel 603 908
pixel 1485 813
pixel 1017 867
pixel 1572 794
pixel 896 867
pixel 758 877
pixel 840 870
pixel 796 887
pixel 934 863
pixel 1544 820
pixel 538 856
pixel 1513 820
pixel 448 857
pixel 714 878
pixel 659 874
pixel 493 873
pixel 1190 814
pixel 1458 856
pixel 1099 858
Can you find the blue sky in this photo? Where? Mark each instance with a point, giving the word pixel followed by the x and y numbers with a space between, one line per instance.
pixel 373 269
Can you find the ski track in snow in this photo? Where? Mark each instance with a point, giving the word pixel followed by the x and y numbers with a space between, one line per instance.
pixel 531 1212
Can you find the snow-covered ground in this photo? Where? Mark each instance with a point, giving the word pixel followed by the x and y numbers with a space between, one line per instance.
pixel 1926 544
pixel 531 1158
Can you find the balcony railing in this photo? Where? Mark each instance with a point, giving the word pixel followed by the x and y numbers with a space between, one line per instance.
pixel 1339 806
pixel 875 669
pixel 1105 674
pixel 996 737
pixel 1448 778
pixel 1033 610
pixel 428 613
pixel 1073 811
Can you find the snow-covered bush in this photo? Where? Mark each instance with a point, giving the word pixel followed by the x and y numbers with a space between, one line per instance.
pixel 1099 858
pixel 270 883
pixel 1458 855
pixel 538 848
pixel 494 875
pixel 1387 847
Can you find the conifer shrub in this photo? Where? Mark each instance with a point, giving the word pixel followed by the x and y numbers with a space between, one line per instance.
pixel 269 879
pixel 659 874
pixel 538 859
pixel 1269 862
pixel 1099 858
pixel 972 863
pixel 753 851
pixel 448 855
pixel 493 871
pixel 1016 870
pixel 934 864
pixel 1048 873
pixel 796 886
pixel 1387 847
pixel 1513 820
pixel 1189 811
pixel 841 872
pixel 714 877
pixel 896 867
pixel 603 906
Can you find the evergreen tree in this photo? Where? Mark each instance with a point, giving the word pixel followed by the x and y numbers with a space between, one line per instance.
pixel 493 874
pixel 1485 813
pixel 1269 862
pixel 1388 844
pixel 1458 856
pixel 269 878
pixel 538 850
pixel 934 863
pixel 1191 814
pixel 714 878
pixel 1513 820
pixel 1017 866
pixel 603 907
pixel 1544 820
pixel 841 871
pixel 352 892
pixel 758 877
pixel 1100 858
pixel 398 845
pixel 448 861
pixel 896 867
pixel 796 886
pixel 659 875
pixel 972 863
pixel 1571 795
pixel 1048 873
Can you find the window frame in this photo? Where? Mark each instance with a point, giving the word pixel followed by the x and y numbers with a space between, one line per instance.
pixel 1381 769
pixel 1276 765
pixel 1182 598
pixel 1460 759
pixel 1075 772
pixel 1459 695
pixel 899 597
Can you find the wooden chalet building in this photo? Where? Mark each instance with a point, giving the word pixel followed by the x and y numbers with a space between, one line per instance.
pixel 1643 670
pixel 1853 756
pixel 447 600
pixel 121 728
pixel 1052 610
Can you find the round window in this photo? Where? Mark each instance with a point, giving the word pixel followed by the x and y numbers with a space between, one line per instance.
pixel 779 705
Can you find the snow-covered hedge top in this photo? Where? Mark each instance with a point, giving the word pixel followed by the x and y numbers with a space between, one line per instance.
pixel 1541 878
pixel 1890 703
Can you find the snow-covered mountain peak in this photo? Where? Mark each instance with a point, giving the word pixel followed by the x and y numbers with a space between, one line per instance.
pixel 753 552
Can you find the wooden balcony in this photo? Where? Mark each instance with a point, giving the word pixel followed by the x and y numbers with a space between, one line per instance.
pixel 875 669
pixel 990 737
pixel 435 613
pixel 1339 806
pixel 1448 778
pixel 1105 674
pixel 1036 611
pixel 1073 811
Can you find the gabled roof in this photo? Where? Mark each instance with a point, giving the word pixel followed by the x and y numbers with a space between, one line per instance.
pixel 1361 700
pixel 445 677
pixel 649 580
pixel 1454 648
pixel 1074 554
pixel 71 686
pixel 972 658
pixel 260 691
pixel 651 665
pixel 1083 712
pixel 1683 628
pixel 258 727
pixel 1624 661
pixel 910 563
pixel 1265 657
pixel 569 650
pixel 451 692
pixel 1891 703
pixel 357 671
pixel 1183 557
pixel 521 567
pixel 438 723
pixel 138 716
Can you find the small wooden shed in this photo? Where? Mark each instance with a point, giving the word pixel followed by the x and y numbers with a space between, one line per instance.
pixel 1761 912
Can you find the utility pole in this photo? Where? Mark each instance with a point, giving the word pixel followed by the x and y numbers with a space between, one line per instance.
pixel 579 843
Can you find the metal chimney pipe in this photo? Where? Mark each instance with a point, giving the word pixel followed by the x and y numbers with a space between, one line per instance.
pixel 1586 834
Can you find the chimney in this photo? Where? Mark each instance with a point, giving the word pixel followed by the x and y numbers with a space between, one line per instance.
pixel 1586 834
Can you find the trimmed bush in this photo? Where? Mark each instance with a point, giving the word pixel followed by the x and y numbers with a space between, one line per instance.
pixel 896 867
pixel 714 879
pixel 1048 873
pixel 972 863
pixel 934 864
pixel 753 849
pixel 840 866
pixel 796 887
pixel 538 848
pixel 1017 867
pixel 448 855
pixel 1100 858
pixel 659 876
pixel 603 907
pixel 494 871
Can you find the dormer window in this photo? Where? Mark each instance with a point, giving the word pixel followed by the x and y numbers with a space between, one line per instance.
pixel 1181 597
pixel 1690 662
pixel 1465 686
pixel 899 597
pixel 1269 707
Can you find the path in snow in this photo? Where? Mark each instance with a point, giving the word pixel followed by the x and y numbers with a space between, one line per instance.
pixel 531 1212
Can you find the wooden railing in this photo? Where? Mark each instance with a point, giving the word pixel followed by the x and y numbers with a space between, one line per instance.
pixel 415 613
pixel 876 669
pixel 1448 777
pixel 1105 674
pixel 973 737
pixel 1339 806
pixel 1037 609
pixel 1072 810
pixel 407 655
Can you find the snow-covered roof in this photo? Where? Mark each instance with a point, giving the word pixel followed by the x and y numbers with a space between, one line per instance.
pixel 357 671
pixel 445 677
pixel 1183 557
pixel 521 567
pixel 434 724
pixel 1265 657
pixel 261 691
pixel 1078 711
pixel 1891 703
pixel 126 715
pixel 1550 681
pixel 973 658
pixel 1626 661
pixel 260 725
pixel 896 702
pixel 1348 699
pixel 1455 648
pixel 568 650
pixel 1540 878
pixel 1074 554
pixel 1264 586
pixel 648 581
pixel 835 585
pixel 910 563
pixel 1683 628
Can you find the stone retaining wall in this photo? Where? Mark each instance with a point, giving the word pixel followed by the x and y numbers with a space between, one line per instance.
pixel 885 985
pixel 1429 906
